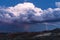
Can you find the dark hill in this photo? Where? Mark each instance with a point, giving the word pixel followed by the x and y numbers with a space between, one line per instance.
pixel 45 35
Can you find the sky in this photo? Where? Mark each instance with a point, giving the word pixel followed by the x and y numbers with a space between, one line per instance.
pixel 42 8
pixel 44 4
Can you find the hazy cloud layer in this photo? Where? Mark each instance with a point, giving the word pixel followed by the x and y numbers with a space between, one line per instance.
pixel 25 12
pixel 57 4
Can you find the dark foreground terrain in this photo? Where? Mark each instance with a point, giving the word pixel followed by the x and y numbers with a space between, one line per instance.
pixel 45 35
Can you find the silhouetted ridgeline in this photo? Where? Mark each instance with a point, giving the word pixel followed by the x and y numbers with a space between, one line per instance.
pixel 45 35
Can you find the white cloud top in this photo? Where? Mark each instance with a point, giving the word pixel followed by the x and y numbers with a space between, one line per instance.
pixel 27 12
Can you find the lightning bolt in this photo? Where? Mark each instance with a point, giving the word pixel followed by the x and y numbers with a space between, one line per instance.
pixel 46 26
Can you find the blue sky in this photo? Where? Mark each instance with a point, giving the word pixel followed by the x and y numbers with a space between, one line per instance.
pixel 44 4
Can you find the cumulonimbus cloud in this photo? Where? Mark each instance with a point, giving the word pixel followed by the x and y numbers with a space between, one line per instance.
pixel 25 12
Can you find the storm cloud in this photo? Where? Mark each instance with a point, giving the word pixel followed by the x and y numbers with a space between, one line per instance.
pixel 25 12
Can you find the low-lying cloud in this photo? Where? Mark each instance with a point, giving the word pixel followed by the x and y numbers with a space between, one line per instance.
pixel 25 12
